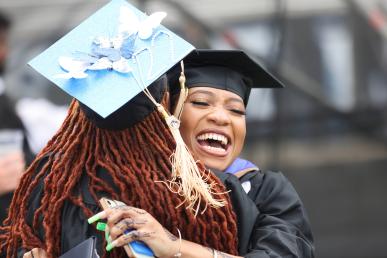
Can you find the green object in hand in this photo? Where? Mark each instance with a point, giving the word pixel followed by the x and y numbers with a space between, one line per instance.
pixel 101 226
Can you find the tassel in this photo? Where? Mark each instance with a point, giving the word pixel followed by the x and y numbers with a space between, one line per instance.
pixel 187 180
pixel 183 93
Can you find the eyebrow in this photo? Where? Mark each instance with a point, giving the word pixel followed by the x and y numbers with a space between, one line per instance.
pixel 203 92
pixel 232 99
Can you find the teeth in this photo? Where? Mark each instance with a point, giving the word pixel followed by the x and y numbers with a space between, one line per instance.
pixel 213 136
pixel 215 149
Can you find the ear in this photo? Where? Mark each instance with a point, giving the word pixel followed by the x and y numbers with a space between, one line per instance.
pixel 166 102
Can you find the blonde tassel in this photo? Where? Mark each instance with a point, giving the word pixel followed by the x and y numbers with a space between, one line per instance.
pixel 183 93
pixel 187 181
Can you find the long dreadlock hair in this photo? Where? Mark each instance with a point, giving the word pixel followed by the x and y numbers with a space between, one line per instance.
pixel 134 158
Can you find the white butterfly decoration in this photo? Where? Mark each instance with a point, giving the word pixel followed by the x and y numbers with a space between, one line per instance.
pixel 112 53
pixel 130 24
pixel 104 63
pixel 75 68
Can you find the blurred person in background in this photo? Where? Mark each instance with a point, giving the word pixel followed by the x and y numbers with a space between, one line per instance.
pixel 14 149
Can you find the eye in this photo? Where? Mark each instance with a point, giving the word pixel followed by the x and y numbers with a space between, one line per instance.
pixel 200 103
pixel 238 112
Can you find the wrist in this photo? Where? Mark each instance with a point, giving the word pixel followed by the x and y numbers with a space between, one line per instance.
pixel 178 253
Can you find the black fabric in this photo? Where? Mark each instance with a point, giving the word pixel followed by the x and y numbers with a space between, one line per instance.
pixel 134 111
pixel 219 77
pixel 10 121
pixel 231 70
pixel 74 226
pixel 8 116
pixel 244 207
pixel 272 221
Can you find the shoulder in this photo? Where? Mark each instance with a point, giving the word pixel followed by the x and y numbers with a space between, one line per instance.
pixel 269 186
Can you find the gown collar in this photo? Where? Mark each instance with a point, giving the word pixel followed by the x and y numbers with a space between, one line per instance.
pixel 241 165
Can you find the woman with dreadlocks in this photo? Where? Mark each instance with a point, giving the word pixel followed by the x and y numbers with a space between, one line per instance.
pixel 136 155
pixel 116 146
pixel 91 157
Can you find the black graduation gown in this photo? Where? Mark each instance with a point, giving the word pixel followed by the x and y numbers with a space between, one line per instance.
pixel 10 121
pixel 271 218
pixel 74 226
pixel 272 221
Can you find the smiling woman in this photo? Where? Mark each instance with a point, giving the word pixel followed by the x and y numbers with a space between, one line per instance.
pixel 213 125
pixel 271 219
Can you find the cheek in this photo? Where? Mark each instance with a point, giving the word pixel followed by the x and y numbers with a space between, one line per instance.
pixel 240 134
pixel 184 131
pixel 186 126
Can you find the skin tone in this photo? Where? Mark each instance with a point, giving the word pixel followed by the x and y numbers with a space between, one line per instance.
pixel 35 253
pixel 213 113
pixel 213 126
pixel 11 164
pixel 147 229
pixel 11 169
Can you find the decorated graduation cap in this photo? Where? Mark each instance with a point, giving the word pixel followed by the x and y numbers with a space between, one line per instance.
pixel 231 70
pixel 111 57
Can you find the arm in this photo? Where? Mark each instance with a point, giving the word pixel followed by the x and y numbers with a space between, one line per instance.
pixel 282 228
pixel 193 250
pixel 147 229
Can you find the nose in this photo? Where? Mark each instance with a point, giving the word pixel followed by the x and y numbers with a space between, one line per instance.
pixel 219 116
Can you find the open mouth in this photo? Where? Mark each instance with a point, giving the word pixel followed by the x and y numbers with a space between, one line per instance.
pixel 214 142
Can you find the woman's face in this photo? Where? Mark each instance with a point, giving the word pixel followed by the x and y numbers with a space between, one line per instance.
pixel 213 125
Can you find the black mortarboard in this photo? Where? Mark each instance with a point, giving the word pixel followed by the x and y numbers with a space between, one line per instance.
pixel 231 70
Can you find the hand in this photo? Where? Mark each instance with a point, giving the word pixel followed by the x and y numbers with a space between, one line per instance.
pixel 11 169
pixel 36 253
pixel 144 228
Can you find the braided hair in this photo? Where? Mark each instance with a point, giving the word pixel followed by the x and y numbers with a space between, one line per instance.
pixel 134 157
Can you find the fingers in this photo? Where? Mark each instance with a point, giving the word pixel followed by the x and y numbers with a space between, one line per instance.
pixel 27 255
pixel 36 253
pixel 130 237
pixel 123 218
pixel 39 253
pixel 116 214
pixel 125 224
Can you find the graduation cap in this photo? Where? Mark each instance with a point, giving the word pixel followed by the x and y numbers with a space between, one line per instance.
pixel 111 57
pixel 231 70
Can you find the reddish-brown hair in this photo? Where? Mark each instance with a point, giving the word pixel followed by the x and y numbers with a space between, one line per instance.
pixel 134 158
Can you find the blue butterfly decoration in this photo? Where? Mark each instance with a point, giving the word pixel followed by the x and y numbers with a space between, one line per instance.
pixel 112 53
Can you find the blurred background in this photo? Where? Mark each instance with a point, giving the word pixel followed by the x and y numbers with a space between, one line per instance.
pixel 326 131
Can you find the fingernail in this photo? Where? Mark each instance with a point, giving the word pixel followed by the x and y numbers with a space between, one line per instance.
pixel 96 217
pixel 107 237
pixel 101 226
pixel 110 246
